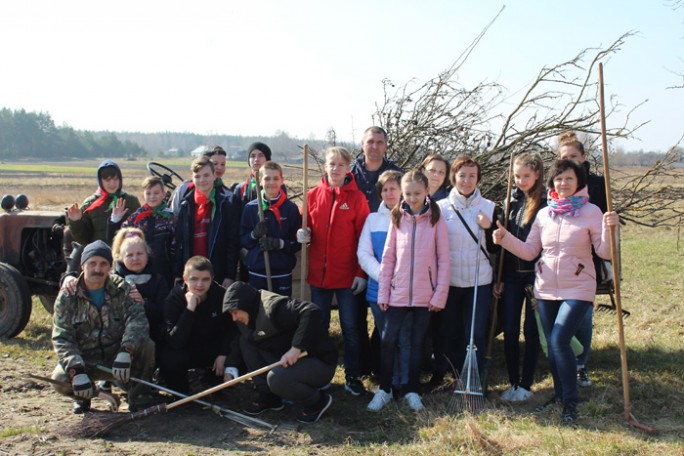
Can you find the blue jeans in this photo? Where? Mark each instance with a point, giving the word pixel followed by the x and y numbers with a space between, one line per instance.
pixel 513 298
pixel 349 322
pixel 403 354
pixel 583 334
pixel 560 320
pixel 453 328
pixel 392 325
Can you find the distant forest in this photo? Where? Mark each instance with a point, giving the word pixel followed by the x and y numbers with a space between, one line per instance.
pixel 29 134
pixel 34 134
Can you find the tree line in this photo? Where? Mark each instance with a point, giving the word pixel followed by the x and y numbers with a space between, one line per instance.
pixel 34 134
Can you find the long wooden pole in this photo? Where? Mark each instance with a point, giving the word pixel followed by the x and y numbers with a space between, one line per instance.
pixel 499 273
pixel 616 267
pixel 305 190
pixel 260 204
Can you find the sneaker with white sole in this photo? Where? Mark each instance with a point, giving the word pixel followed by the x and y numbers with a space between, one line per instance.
pixel 380 399
pixel 521 394
pixel 413 401
pixel 509 393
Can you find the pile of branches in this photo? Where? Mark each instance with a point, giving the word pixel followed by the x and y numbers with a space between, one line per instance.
pixel 443 116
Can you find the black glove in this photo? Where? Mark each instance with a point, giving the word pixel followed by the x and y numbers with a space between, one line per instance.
pixel 268 243
pixel 260 230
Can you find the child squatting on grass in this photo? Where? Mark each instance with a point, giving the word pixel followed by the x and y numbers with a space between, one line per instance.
pixel 414 279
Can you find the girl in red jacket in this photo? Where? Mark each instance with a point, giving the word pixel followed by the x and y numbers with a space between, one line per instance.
pixel 414 279
pixel 336 211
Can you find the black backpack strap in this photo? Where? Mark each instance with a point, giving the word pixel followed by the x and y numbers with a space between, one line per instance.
pixel 470 231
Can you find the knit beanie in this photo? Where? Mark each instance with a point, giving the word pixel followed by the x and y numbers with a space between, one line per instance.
pixel 97 248
pixel 263 148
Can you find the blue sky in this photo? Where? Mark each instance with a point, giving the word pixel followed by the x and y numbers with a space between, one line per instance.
pixel 302 67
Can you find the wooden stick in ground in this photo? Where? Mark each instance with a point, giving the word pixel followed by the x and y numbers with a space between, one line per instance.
pixel 616 268
pixel 239 418
pixel 260 205
pixel 305 189
pixel 96 425
pixel 499 273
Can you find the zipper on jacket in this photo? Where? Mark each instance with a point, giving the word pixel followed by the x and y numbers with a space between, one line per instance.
pixel 413 245
pixel 325 255
pixel 557 265
pixel 99 336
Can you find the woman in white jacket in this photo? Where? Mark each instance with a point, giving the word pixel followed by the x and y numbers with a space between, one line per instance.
pixel 467 215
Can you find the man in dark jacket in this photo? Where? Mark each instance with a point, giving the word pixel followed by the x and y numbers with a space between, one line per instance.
pixel 198 334
pixel 278 328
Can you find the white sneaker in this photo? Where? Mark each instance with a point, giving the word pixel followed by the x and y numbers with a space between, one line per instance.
pixel 521 394
pixel 413 401
pixel 509 393
pixel 380 399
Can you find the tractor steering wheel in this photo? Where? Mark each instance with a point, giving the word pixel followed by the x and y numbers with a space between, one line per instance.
pixel 165 173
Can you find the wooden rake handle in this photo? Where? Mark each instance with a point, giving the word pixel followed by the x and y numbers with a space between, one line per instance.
pixel 232 382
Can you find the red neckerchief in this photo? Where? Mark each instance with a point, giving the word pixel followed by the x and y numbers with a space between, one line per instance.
pixel 101 200
pixel 268 205
pixel 204 203
pixel 248 186
pixel 148 211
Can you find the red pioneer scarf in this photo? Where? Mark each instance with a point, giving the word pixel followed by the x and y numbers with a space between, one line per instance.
pixel 267 205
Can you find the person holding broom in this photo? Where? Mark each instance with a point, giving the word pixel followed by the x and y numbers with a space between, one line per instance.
pixel 273 328
pixel 276 234
pixel 101 324
pixel 565 286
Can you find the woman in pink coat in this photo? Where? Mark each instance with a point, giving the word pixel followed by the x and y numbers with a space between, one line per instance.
pixel 565 282
pixel 414 279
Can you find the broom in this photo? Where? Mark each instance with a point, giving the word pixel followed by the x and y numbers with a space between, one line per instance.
pixel 499 273
pixel 468 394
pixel 616 270
pixel 97 425
pixel 239 418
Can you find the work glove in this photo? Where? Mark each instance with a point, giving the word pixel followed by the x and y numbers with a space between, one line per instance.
pixel 268 243
pixel 121 369
pixel 81 384
pixel 358 285
pixel 260 230
pixel 304 235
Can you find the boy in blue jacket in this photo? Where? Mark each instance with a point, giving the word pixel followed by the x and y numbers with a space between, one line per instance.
pixel 276 234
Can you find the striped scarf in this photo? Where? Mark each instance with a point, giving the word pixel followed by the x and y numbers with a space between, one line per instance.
pixel 562 206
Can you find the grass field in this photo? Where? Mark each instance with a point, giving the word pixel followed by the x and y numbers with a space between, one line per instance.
pixel 652 290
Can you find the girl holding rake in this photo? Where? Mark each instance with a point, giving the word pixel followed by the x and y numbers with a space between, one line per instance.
pixel 414 279
pixel 565 283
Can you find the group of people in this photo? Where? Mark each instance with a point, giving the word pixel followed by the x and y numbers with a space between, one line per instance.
pixel 415 247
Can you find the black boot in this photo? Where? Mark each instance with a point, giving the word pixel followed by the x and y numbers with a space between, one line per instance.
pixel 81 406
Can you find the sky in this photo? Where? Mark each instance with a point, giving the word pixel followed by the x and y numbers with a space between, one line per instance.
pixel 303 67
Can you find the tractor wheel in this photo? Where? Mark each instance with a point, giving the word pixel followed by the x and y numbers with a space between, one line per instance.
pixel 15 302
pixel 48 302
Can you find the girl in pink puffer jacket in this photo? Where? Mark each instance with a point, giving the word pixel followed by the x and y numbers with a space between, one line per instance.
pixel 414 278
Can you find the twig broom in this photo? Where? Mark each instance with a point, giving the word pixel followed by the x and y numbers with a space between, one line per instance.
pixel 97 425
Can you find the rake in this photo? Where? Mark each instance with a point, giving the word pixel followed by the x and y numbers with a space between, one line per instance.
pixel 468 395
